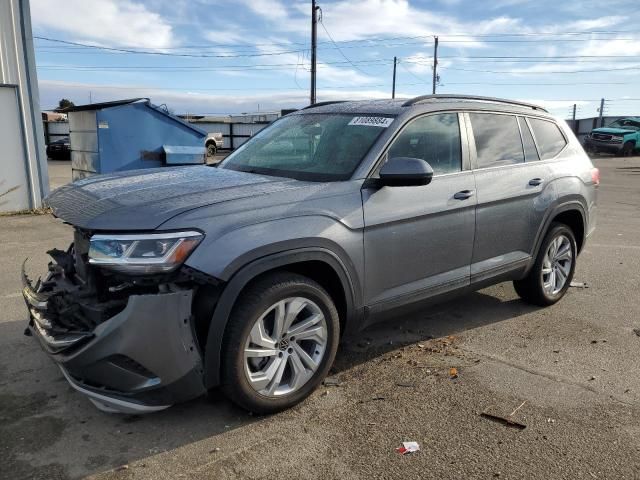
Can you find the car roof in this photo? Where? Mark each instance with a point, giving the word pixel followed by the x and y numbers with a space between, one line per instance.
pixel 426 102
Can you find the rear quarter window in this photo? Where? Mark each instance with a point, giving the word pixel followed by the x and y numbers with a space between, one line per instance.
pixel 548 136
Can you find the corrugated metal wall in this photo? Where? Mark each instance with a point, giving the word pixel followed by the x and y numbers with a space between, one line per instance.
pixel 23 177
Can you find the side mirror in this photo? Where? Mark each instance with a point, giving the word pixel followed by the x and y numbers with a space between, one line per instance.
pixel 406 172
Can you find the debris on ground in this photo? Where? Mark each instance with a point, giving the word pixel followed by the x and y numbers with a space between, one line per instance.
pixel 405 384
pixel 636 331
pixel 514 412
pixel 579 284
pixel 122 467
pixel 408 447
pixel 507 420
pixel 372 399
pixel 215 450
pixel 453 372
pixel 331 382
pixel 592 378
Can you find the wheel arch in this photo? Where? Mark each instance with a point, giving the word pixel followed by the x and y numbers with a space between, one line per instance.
pixel 571 213
pixel 319 264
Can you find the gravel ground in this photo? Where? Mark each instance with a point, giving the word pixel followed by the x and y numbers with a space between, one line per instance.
pixel 572 369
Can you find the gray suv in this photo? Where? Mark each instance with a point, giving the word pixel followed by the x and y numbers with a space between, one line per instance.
pixel 247 275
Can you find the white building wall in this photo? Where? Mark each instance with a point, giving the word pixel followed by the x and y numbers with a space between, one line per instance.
pixel 23 176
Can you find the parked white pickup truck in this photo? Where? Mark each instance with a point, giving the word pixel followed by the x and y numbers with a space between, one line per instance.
pixel 213 142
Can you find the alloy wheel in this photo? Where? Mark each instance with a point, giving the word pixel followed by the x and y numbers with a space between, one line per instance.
pixel 285 346
pixel 556 265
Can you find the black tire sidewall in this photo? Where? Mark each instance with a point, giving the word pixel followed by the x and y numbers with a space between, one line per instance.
pixel 244 317
pixel 554 231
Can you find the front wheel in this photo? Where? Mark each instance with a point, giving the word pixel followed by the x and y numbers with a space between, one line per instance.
pixel 552 272
pixel 281 341
pixel 212 149
pixel 627 149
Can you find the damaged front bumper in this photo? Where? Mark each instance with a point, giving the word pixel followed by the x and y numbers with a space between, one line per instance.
pixel 143 357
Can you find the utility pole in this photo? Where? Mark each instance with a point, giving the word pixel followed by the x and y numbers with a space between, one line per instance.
pixel 435 63
pixel 314 41
pixel 601 111
pixel 393 90
pixel 573 124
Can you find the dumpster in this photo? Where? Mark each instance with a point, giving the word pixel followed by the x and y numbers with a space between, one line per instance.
pixel 130 134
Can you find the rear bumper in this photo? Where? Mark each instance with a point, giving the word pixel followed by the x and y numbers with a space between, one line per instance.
pixel 142 359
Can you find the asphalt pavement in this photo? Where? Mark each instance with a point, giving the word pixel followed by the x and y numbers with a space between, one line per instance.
pixel 570 374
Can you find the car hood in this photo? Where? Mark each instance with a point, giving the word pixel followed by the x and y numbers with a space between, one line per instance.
pixel 612 131
pixel 145 199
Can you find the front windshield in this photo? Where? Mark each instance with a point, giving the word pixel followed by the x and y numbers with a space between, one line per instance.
pixel 313 146
pixel 626 124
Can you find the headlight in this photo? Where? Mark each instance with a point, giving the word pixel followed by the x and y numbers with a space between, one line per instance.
pixel 145 253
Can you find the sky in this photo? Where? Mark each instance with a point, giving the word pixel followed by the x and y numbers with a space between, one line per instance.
pixel 221 57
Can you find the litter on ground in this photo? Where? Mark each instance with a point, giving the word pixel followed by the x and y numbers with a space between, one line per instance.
pixel 408 447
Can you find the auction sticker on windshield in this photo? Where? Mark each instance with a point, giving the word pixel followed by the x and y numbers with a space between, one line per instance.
pixel 383 122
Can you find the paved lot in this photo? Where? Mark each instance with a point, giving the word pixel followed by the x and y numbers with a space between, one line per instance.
pixel 573 369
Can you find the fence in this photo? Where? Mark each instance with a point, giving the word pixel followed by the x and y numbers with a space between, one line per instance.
pixel 55 131
pixel 233 134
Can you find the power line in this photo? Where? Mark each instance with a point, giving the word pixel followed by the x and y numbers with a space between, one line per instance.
pixel 384 39
pixel 148 52
pixel 546 72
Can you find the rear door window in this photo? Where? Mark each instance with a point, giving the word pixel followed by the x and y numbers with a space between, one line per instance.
pixel 434 138
pixel 530 152
pixel 549 139
pixel 497 139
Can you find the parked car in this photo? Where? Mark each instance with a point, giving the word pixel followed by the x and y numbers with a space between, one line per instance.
pixel 621 137
pixel 59 149
pixel 246 276
pixel 213 142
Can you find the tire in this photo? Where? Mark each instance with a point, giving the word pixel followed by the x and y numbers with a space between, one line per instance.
pixel 212 149
pixel 536 288
pixel 248 380
pixel 627 149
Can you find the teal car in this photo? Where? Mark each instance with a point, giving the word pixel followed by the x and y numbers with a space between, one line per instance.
pixel 621 137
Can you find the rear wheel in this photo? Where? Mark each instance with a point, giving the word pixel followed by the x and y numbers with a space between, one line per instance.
pixel 552 272
pixel 281 341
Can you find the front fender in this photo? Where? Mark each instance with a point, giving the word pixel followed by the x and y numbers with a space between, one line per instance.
pixel 262 264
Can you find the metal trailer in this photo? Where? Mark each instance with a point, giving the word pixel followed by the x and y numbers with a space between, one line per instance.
pixel 130 134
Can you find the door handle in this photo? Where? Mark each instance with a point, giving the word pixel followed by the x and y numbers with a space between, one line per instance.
pixel 463 195
pixel 534 182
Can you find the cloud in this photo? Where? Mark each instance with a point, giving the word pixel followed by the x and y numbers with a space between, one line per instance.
pixel 271 9
pixel 109 22
pixel 229 35
pixel 193 102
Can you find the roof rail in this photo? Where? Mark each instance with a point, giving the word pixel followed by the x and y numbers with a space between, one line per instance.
pixel 424 98
pixel 322 104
